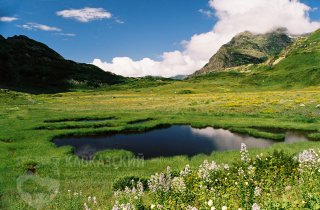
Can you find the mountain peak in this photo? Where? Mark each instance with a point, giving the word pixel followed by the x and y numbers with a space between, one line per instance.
pixel 19 37
pixel 247 48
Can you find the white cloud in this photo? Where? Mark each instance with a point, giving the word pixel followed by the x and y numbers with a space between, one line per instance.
pixel 67 34
pixel 259 16
pixel 117 20
pixel 86 14
pixel 207 13
pixel 37 26
pixel 8 19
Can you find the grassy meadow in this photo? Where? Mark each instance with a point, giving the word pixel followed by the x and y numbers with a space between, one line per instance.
pixel 29 122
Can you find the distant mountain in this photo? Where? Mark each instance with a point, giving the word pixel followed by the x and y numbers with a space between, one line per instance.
pixel 247 48
pixel 296 66
pixel 30 65
pixel 179 77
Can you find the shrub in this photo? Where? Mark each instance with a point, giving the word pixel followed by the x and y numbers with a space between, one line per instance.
pixel 130 182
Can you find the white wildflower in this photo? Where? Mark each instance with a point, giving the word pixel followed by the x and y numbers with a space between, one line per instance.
pixel 191 208
pixel 206 168
pixel 140 189
pixel 159 206
pixel 308 159
pixel 86 206
pixel 160 182
pixel 210 203
pixel 288 188
pixel 251 170
pixel 240 172
pixel 257 191
pixel 244 153
pixel 186 171
pixel 226 166
pixel 127 206
pixel 255 207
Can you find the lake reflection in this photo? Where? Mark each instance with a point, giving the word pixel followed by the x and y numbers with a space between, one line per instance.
pixel 172 141
pixel 225 140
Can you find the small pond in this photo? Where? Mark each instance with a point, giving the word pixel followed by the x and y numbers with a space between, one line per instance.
pixel 171 141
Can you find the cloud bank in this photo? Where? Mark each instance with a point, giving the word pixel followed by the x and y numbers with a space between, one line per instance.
pixel 86 14
pixel 258 16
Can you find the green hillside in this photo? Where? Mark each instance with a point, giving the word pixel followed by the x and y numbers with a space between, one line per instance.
pixel 296 66
pixel 30 65
pixel 300 65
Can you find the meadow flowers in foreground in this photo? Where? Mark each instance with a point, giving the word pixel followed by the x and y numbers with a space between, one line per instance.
pixel 273 181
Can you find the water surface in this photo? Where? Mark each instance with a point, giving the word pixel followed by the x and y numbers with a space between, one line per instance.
pixel 172 141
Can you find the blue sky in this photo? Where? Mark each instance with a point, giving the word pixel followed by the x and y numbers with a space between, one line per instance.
pixel 150 27
pixel 137 28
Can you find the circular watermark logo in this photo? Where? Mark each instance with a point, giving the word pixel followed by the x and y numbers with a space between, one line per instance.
pixel 39 188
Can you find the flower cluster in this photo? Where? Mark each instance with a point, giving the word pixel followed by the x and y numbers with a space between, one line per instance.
pixel 160 182
pixel 126 206
pixel 245 184
pixel 129 197
pixel 92 200
pixel 206 168
pixel 244 153
pixel 186 171
pixel 308 158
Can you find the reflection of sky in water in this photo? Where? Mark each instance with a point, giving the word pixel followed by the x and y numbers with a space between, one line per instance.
pixel 172 141
pixel 225 140
pixel 292 136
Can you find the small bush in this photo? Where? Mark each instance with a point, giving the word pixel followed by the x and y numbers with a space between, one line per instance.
pixel 185 92
pixel 130 182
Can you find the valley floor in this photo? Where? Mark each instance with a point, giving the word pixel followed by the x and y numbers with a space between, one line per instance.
pixel 28 123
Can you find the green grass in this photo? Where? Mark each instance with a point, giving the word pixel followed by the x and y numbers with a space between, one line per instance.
pixel 22 143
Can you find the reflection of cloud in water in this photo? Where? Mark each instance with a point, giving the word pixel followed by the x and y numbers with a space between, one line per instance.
pixel 225 140
pixel 294 136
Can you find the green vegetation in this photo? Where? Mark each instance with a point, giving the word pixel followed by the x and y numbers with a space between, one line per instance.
pixel 262 100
